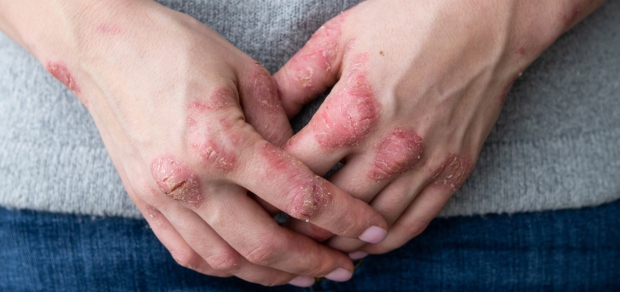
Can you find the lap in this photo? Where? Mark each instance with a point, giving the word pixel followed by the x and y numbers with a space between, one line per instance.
pixel 559 250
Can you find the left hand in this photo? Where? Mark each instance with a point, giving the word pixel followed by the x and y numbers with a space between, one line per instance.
pixel 417 87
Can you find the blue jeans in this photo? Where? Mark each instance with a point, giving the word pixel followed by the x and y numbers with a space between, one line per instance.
pixel 565 250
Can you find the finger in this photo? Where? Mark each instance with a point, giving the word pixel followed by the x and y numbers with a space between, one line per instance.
pixel 391 202
pixel 263 110
pixel 241 222
pixel 259 239
pixel 313 69
pixel 413 220
pixel 217 252
pixel 365 175
pixel 343 122
pixel 448 178
pixel 180 251
pixel 262 106
pixel 289 185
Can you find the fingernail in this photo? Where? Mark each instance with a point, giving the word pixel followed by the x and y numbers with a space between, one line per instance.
pixel 302 281
pixel 374 234
pixel 356 255
pixel 339 275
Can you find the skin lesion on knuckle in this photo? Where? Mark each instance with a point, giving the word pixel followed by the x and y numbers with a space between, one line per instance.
pixel 215 152
pixel 318 55
pixel 309 198
pixel 349 115
pixel 212 133
pixel 216 157
pixel 176 180
pixel 453 172
pixel 396 153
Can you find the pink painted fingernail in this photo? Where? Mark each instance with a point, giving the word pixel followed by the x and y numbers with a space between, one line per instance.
pixel 302 281
pixel 374 234
pixel 339 275
pixel 356 255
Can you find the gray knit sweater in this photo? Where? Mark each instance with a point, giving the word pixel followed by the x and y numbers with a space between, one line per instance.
pixel 555 145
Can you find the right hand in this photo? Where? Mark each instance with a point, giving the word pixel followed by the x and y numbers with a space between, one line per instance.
pixel 167 93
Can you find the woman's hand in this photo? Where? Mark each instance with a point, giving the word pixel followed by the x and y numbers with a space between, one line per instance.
pixel 183 114
pixel 417 87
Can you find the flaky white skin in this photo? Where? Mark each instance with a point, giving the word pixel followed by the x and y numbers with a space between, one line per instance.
pixel 167 94
pixel 438 70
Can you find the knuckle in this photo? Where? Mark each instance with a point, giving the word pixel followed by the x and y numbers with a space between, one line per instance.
pixel 453 172
pixel 396 153
pixel 309 198
pixel 226 261
pixel 215 155
pixel 176 180
pixel 212 138
pixel 214 144
pixel 349 116
pixel 220 97
pixel 264 252
pixel 186 258
pixel 154 217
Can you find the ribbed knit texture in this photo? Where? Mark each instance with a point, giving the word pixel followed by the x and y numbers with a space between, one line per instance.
pixel 555 145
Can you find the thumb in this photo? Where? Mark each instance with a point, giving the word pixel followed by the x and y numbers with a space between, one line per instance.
pixel 312 69
pixel 262 106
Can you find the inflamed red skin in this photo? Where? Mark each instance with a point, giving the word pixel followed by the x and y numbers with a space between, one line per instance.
pixel 351 112
pixel 214 150
pixel 59 70
pixel 307 67
pixel 454 171
pixel 306 70
pixel 61 73
pixel 176 180
pixel 310 194
pixel 264 112
pixel 396 154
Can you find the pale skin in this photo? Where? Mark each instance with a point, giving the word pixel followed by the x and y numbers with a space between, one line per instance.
pixel 420 84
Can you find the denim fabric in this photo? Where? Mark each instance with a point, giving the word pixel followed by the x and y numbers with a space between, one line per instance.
pixel 567 250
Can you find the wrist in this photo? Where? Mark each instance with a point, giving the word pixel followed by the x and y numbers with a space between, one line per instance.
pixel 539 23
